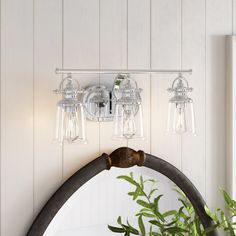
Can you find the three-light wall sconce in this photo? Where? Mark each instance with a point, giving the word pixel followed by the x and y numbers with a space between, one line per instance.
pixel 121 104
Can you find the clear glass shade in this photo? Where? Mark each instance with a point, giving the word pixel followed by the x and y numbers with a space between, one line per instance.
pixel 181 118
pixel 128 121
pixel 70 123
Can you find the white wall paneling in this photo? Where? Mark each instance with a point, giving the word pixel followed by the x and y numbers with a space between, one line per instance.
pixel 81 50
pixel 233 16
pixel 193 56
pixel 37 36
pixel 138 57
pixel 17 116
pixel 230 105
pixel 113 54
pixel 47 56
pixel 218 24
pixel 165 53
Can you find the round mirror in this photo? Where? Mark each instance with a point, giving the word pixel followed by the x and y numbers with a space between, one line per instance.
pixel 93 197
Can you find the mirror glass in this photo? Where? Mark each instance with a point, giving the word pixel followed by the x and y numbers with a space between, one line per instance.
pixel 102 199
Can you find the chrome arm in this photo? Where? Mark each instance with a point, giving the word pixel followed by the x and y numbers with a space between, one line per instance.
pixel 120 71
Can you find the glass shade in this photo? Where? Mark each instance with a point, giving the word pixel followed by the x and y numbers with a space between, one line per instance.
pixel 181 118
pixel 128 118
pixel 70 123
pixel 70 119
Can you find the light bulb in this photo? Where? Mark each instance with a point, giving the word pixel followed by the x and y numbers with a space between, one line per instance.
pixel 179 122
pixel 71 126
pixel 129 127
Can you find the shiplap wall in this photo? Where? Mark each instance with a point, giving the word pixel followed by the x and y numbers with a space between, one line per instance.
pixel 39 35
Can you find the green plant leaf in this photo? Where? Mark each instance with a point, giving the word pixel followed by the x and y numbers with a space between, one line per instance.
pixel 231 229
pixel 156 234
pixel 128 179
pixel 157 199
pixel 131 175
pixel 132 229
pixel 116 229
pixel 155 222
pixel 159 215
pixel 141 181
pixel 175 229
pixel 151 181
pixel 119 220
pixel 144 204
pixel 227 198
pixel 183 202
pixel 141 226
pixel 180 192
pixel 171 223
pixel 152 192
pixel 136 193
pixel 146 210
pixel 210 213
pixel 131 193
pixel 170 213
pixel 127 233
pixel 146 214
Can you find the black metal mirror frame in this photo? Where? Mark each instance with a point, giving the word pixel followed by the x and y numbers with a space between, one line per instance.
pixel 122 157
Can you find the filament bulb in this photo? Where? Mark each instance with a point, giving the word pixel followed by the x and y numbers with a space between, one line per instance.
pixel 180 119
pixel 71 126
pixel 129 127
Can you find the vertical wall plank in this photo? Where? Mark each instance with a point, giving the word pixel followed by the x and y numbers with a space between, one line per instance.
pixel 139 58
pixel 17 116
pixel 138 34
pixel 166 54
pixel 193 147
pixel 233 16
pixel 230 115
pixel 81 50
pixel 218 24
pixel 230 61
pixel 113 55
pixel 48 56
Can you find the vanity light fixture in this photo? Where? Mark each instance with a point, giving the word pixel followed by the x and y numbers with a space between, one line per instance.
pixel 70 121
pixel 181 116
pixel 128 119
pixel 121 104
